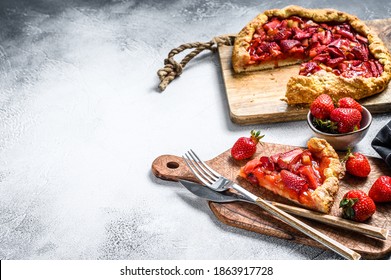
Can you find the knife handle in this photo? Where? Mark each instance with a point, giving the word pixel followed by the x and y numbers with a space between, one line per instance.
pixel 362 228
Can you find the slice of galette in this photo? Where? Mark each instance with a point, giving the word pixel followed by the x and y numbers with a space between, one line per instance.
pixel 338 53
pixel 309 177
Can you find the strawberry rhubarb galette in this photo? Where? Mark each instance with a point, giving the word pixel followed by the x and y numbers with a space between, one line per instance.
pixel 309 177
pixel 338 54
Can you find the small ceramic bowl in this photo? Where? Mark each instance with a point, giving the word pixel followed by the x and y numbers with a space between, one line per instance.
pixel 345 140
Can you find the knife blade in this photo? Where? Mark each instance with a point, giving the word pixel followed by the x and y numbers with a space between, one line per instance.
pixel 225 197
pixel 211 195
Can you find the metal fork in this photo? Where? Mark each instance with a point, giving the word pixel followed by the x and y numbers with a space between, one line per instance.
pixel 217 182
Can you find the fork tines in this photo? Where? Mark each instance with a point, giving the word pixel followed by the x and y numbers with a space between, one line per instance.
pixel 200 169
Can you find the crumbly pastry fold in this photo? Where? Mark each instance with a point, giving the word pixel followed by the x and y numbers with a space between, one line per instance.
pixel 324 195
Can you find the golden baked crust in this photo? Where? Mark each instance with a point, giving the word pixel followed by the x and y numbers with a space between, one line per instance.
pixel 304 89
pixel 324 195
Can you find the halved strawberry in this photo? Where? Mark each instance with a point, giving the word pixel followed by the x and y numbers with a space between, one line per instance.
pixel 272 24
pixel 345 26
pixel 283 25
pixel 286 45
pixel 274 158
pixel 334 62
pixel 250 165
pixel 290 157
pixel 315 38
pixel 296 19
pixel 379 67
pixel 264 46
pixel 294 182
pixel 266 163
pixel 315 50
pixel 309 68
pixel 355 63
pixel 297 51
pixel 282 34
pixel 345 33
pixel 301 34
pixel 335 52
pixel 373 69
pixel 321 58
pixel 325 37
pixel 360 53
pixel 274 49
pixel 312 29
pixel 341 44
pixel 362 39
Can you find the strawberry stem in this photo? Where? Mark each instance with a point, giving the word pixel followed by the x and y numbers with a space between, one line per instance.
pixel 347 207
pixel 348 155
pixel 256 136
pixel 325 125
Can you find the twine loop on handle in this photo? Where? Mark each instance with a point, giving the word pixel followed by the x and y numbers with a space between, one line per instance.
pixel 173 69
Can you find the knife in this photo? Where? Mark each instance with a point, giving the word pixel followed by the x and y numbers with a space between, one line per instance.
pixel 224 197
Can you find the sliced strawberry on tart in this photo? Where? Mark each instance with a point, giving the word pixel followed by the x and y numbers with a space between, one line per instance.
pixel 309 177
pixel 338 54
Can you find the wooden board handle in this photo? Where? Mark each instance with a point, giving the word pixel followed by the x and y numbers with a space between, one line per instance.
pixel 171 168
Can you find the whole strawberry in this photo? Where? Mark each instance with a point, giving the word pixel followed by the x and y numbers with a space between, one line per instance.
pixel 381 189
pixel 245 147
pixel 357 206
pixel 348 102
pixel 347 119
pixel 322 106
pixel 357 165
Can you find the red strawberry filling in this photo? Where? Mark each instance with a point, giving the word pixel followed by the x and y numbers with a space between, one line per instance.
pixel 294 172
pixel 333 47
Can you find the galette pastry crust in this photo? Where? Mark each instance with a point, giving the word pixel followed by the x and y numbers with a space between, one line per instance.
pixel 324 194
pixel 304 89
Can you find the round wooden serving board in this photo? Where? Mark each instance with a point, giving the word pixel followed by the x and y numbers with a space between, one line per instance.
pixel 251 217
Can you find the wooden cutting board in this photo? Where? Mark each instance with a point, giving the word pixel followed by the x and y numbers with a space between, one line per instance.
pixel 251 217
pixel 255 97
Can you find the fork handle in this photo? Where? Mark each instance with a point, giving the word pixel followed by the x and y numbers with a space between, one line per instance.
pixel 300 226
pixel 309 231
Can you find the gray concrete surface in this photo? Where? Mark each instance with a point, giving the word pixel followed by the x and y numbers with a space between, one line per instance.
pixel 81 121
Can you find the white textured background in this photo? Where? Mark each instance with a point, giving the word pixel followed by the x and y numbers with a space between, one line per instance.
pixel 81 121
